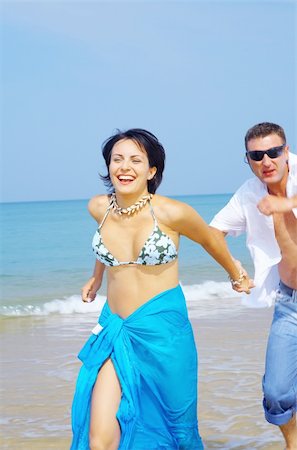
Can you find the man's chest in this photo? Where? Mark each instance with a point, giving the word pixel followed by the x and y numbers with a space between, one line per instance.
pixel 285 228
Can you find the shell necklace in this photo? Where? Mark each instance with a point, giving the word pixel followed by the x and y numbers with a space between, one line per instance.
pixel 130 209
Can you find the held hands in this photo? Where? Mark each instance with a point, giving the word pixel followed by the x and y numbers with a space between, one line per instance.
pixel 243 283
pixel 89 290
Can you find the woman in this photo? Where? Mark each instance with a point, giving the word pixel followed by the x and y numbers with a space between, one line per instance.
pixel 137 388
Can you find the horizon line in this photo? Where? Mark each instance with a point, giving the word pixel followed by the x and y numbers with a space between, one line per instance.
pixel 10 202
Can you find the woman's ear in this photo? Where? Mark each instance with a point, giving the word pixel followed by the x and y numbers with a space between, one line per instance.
pixel 152 173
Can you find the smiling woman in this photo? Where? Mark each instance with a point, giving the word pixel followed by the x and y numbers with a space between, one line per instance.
pixel 142 147
pixel 128 394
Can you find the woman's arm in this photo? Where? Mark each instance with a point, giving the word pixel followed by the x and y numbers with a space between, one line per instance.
pixel 96 206
pixel 89 290
pixel 189 223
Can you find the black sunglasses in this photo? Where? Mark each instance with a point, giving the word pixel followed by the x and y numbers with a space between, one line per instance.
pixel 258 155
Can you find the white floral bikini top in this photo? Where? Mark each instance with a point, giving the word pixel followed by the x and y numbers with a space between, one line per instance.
pixel 158 248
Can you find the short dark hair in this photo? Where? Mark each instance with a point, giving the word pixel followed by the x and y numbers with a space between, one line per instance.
pixel 262 130
pixel 146 141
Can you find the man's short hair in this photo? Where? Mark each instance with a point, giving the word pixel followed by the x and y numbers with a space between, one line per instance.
pixel 262 130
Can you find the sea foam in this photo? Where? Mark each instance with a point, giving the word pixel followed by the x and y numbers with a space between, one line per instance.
pixel 202 299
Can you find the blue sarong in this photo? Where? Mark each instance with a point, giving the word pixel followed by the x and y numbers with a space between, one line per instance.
pixel 154 355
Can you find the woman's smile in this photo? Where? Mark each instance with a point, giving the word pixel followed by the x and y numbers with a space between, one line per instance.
pixel 126 179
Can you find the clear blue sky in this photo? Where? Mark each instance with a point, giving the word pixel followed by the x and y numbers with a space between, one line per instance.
pixel 198 74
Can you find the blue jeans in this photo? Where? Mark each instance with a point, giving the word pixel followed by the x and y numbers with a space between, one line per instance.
pixel 280 379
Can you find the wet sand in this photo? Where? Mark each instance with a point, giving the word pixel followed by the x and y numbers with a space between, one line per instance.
pixel 39 369
pixel 231 366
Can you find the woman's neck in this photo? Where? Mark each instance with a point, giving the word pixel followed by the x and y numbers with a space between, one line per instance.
pixel 126 200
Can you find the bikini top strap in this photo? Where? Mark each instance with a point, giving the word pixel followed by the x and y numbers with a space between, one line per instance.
pixel 104 218
pixel 153 214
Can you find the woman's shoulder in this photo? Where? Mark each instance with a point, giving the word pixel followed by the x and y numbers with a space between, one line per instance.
pixel 98 205
pixel 169 210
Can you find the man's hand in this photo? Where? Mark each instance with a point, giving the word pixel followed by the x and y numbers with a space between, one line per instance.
pixel 273 204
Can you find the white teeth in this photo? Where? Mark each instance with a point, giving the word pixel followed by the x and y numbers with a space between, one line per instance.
pixel 124 177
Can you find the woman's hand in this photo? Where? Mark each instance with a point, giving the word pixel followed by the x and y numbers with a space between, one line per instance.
pixel 89 290
pixel 245 286
pixel 244 283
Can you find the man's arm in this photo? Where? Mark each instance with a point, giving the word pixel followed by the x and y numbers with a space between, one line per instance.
pixel 273 204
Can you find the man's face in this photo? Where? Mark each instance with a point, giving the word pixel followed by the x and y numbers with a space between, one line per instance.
pixel 269 170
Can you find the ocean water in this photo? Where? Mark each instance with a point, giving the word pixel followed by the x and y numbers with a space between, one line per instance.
pixel 46 256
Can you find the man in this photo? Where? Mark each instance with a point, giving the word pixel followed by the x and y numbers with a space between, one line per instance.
pixel 265 207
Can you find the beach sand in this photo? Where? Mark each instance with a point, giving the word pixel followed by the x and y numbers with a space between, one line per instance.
pixel 39 368
pixel 231 365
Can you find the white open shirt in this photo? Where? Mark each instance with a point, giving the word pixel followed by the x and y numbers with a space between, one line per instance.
pixel 242 215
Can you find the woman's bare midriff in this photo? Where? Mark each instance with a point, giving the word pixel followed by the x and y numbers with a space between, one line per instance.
pixel 129 287
pixel 285 226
